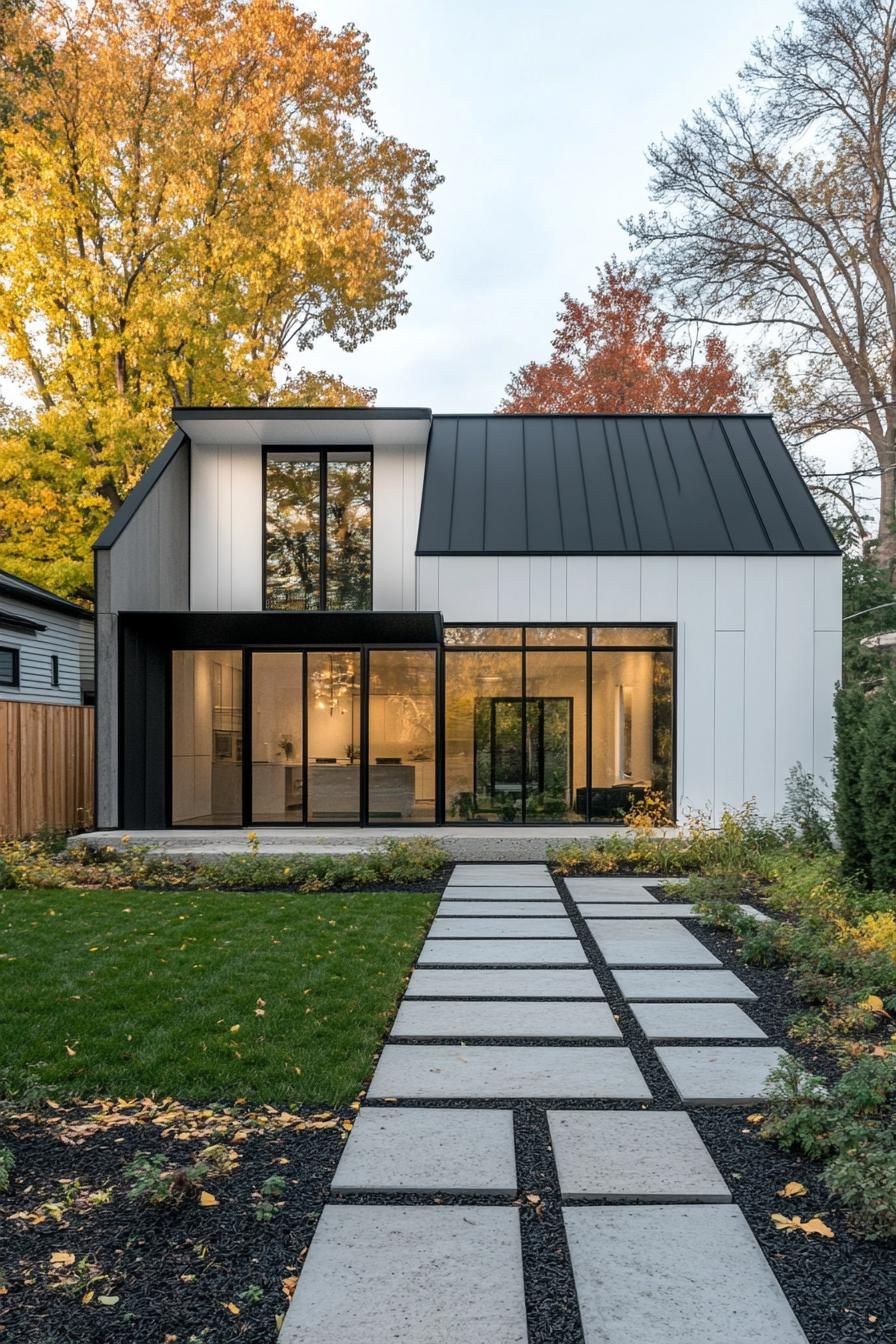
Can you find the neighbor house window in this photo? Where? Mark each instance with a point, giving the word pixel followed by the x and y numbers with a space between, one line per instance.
pixel 9 667
pixel 318 514
pixel 54 669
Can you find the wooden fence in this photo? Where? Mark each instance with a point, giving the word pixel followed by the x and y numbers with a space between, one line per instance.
pixel 46 767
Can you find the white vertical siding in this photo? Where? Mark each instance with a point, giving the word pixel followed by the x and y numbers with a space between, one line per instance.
pixel 758 649
pixel 397 492
pixel 226 502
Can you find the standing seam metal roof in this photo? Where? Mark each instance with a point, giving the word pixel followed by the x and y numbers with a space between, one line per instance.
pixel 605 484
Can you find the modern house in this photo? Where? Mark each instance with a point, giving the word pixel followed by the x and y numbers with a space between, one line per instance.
pixel 390 617
pixel 46 646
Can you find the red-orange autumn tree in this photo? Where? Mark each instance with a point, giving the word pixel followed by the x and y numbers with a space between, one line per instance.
pixel 614 353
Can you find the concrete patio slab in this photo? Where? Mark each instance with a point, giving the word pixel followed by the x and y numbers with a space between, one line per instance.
pixel 722 1075
pixel 700 986
pixel 502 952
pixel 466 1021
pixel 633 1155
pixel 494 927
pixel 612 888
pixel 680 1273
pixel 503 893
pixel 504 985
pixel 649 942
pixel 629 910
pixel 423 1150
pixel 695 1021
pixel 480 1072
pixel 422 1275
pixel 504 909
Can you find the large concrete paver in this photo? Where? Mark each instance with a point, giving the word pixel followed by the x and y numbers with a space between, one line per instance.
pixel 722 1075
pixel 503 984
pixel 501 909
pixel 630 910
pixel 503 874
pixel 426 1150
pixel 612 888
pixel 465 1021
pixel 649 942
pixel 633 1155
pixel 502 952
pixel 420 1072
pixel 696 1021
pixel 503 892
pixel 674 1274
pixel 699 986
pixel 421 1275
pixel 495 927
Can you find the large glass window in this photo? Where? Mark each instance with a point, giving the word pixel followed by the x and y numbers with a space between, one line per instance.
pixel 631 729
pixel 318 518
pixel 556 735
pixel 277 752
pixel 334 736
pixel 483 735
pixel 401 720
pixel 207 737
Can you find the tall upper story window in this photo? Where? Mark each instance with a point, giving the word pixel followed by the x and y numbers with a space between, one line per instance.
pixel 318 515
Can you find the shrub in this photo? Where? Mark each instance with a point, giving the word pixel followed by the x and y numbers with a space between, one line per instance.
pixel 807 812
pixel 7 1162
pixel 849 751
pixel 156 1180
pixel 878 784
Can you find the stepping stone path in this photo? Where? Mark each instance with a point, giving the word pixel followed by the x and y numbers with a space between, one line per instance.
pixel 663 1256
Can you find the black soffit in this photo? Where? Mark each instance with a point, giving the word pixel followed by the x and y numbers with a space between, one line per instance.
pixel 308 629
pixel 608 485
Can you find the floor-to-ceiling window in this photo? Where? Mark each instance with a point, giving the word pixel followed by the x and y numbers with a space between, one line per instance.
pixel 401 733
pixel 277 737
pixel 318 519
pixel 333 689
pixel 556 723
pixel 207 737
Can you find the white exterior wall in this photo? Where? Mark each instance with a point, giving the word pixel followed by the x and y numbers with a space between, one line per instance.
pixel 758 649
pixel 226 512
pixel 66 636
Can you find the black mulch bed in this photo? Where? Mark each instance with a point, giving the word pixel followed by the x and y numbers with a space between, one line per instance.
pixel 171 1270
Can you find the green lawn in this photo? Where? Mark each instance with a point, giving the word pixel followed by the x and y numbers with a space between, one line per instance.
pixel 207 996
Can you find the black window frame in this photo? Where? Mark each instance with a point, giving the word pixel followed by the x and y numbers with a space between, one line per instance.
pixel 15 681
pixel 323 456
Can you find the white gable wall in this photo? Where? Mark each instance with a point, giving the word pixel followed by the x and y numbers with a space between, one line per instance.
pixel 758 649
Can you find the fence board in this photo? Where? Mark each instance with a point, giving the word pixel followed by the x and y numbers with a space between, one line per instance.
pixel 46 767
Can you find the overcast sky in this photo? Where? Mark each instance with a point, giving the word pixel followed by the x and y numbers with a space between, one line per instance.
pixel 538 116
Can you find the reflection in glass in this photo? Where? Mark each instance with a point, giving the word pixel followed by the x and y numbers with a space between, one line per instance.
pixel 633 636
pixel 546 635
pixel 292 531
pixel 206 737
pixel 277 737
pixel 402 735
pixel 333 690
pixel 483 736
pixel 483 634
pixel 556 733
pixel 349 512
pixel 631 729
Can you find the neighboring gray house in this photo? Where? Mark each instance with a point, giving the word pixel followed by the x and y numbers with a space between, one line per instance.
pixel 375 616
pixel 46 646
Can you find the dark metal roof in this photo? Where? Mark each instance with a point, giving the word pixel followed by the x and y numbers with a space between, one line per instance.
pixel 23 591
pixel 615 484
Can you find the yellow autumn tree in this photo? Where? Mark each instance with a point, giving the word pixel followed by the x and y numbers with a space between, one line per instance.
pixel 194 192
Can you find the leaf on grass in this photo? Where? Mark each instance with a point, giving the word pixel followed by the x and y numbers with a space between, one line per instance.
pixel 232 1308
pixel 69 1051
pixel 62 1258
pixel 207 1200
pixel 796 1224
pixel 235 1027
pixel 793 1188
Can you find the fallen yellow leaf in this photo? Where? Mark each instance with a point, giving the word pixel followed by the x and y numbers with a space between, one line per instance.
pixel 346 1124
pixel 874 1004
pixel 755 1118
pixel 88 1297
pixel 62 1258
pixel 816 1225
pixel 232 1308
pixel 69 1051
pixel 796 1224
pixel 289 1285
pixel 206 1200
pixel 235 1027
pixel 793 1188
